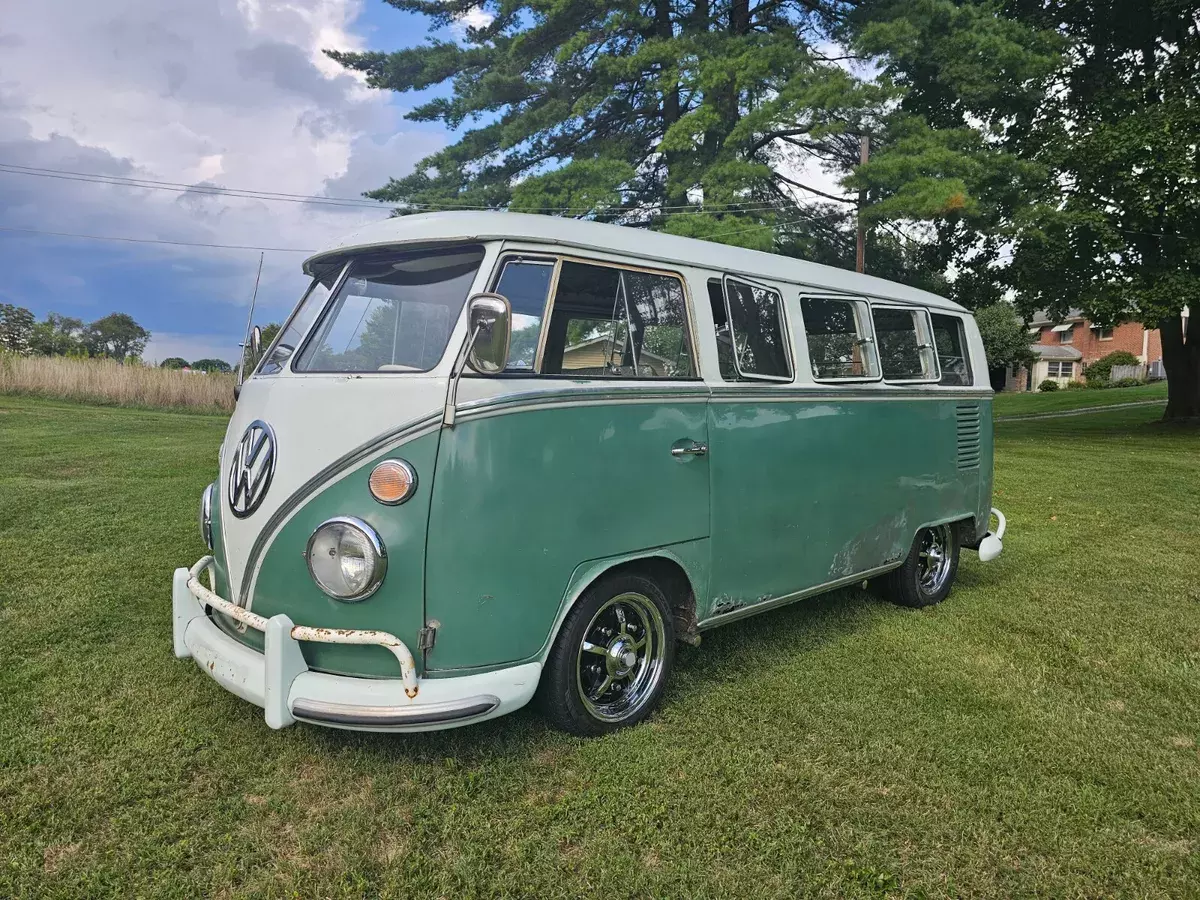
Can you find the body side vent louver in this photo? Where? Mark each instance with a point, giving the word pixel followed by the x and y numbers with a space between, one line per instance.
pixel 968 435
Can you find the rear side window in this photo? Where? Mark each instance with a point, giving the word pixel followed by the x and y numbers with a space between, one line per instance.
pixel 950 338
pixel 840 346
pixel 905 341
pixel 756 323
pixel 716 299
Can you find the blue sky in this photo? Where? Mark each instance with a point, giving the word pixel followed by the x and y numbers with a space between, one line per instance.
pixel 227 92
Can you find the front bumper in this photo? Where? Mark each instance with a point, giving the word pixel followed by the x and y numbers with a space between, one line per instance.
pixel 281 683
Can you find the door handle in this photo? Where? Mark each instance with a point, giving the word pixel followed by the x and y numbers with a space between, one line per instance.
pixel 695 449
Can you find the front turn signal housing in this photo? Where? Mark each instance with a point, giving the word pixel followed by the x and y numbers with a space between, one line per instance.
pixel 392 482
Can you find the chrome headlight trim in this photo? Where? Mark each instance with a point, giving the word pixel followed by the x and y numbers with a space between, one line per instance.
pixel 206 508
pixel 379 562
pixel 412 481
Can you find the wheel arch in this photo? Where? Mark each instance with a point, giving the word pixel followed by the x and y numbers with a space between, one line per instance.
pixel 680 570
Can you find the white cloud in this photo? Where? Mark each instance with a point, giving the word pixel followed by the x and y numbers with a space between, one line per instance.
pixel 473 18
pixel 226 92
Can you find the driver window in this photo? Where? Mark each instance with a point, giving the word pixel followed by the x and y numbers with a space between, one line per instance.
pixel 525 283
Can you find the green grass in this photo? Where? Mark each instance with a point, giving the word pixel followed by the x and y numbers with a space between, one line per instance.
pixel 1022 404
pixel 1035 734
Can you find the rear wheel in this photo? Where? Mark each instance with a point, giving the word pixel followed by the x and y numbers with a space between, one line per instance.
pixel 928 573
pixel 610 663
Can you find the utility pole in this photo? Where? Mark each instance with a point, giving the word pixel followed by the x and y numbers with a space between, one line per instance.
pixel 860 260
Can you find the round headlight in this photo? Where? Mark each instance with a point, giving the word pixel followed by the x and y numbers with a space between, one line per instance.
pixel 346 558
pixel 206 508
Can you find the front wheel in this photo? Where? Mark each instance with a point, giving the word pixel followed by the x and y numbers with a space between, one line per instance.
pixel 610 663
pixel 928 573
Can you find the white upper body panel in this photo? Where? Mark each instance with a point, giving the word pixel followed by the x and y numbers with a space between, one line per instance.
pixel 651 246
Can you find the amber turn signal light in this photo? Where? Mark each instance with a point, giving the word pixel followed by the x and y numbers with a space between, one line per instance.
pixel 393 481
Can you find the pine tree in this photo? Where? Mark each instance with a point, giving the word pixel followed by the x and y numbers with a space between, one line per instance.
pixel 693 117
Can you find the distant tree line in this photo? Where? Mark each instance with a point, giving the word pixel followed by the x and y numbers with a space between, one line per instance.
pixel 200 365
pixel 115 336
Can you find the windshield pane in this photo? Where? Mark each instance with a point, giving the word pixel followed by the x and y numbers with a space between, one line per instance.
pixel 310 304
pixel 393 313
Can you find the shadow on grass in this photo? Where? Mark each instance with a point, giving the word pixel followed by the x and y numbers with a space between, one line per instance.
pixel 731 657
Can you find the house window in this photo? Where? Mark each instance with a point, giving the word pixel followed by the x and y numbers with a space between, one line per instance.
pixel 840 346
pixel 905 344
pixel 1060 369
pixel 756 323
pixel 1066 333
pixel 612 322
pixel 1103 334
pixel 951 342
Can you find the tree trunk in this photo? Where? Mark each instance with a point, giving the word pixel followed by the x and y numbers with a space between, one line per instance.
pixel 1182 362
pixel 664 28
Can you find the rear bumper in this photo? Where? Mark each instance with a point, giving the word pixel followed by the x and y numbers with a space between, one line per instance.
pixel 990 545
pixel 279 681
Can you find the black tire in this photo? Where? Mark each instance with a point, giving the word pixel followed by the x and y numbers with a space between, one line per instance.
pixel 918 583
pixel 573 693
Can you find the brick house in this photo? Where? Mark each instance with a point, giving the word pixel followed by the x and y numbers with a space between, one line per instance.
pixel 1064 348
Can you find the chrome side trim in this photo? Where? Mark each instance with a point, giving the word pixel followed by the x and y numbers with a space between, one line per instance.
pixel 752 609
pixel 326 712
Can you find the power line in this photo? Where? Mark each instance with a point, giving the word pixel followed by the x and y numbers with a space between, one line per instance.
pixel 353 202
pixel 133 240
pixel 257 248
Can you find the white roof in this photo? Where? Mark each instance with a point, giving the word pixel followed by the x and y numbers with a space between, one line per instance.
pixel 636 242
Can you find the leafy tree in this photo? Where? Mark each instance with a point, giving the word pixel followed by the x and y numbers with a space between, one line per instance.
pixel 212 365
pixel 174 362
pixel 269 332
pixel 116 336
pixel 1102 209
pixel 16 328
pixel 1005 338
pixel 57 335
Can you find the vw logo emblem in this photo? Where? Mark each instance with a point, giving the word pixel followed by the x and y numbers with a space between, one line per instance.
pixel 251 468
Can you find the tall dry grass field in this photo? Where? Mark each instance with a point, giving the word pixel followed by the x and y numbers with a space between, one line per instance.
pixel 106 382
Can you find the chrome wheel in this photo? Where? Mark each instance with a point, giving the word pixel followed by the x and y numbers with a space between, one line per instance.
pixel 620 660
pixel 935 559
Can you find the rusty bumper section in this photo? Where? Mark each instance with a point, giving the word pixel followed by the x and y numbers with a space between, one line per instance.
pixel 279 680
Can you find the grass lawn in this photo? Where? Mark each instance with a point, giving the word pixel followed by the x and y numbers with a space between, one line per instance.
pixel 1023 404
pixel 1035 734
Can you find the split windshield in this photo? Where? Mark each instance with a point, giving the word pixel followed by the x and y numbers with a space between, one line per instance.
pixel 393 312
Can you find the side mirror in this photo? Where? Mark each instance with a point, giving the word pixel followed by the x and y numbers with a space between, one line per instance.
pixel 256 341
pixel 489 320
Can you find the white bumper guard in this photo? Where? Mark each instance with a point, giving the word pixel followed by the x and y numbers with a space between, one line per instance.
pixel 991 545
pixel 279 680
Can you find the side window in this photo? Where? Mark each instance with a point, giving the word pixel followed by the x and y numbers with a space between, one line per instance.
pixel 525 283
pixel 840 346
pixel 756 320
pixel 905 344
pixel 951 341
pixel 716 299
pixel 613 322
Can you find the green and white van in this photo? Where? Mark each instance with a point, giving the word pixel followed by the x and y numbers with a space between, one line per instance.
pixel 494 457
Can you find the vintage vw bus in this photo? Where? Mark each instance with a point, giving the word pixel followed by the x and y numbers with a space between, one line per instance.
pixel 492 457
